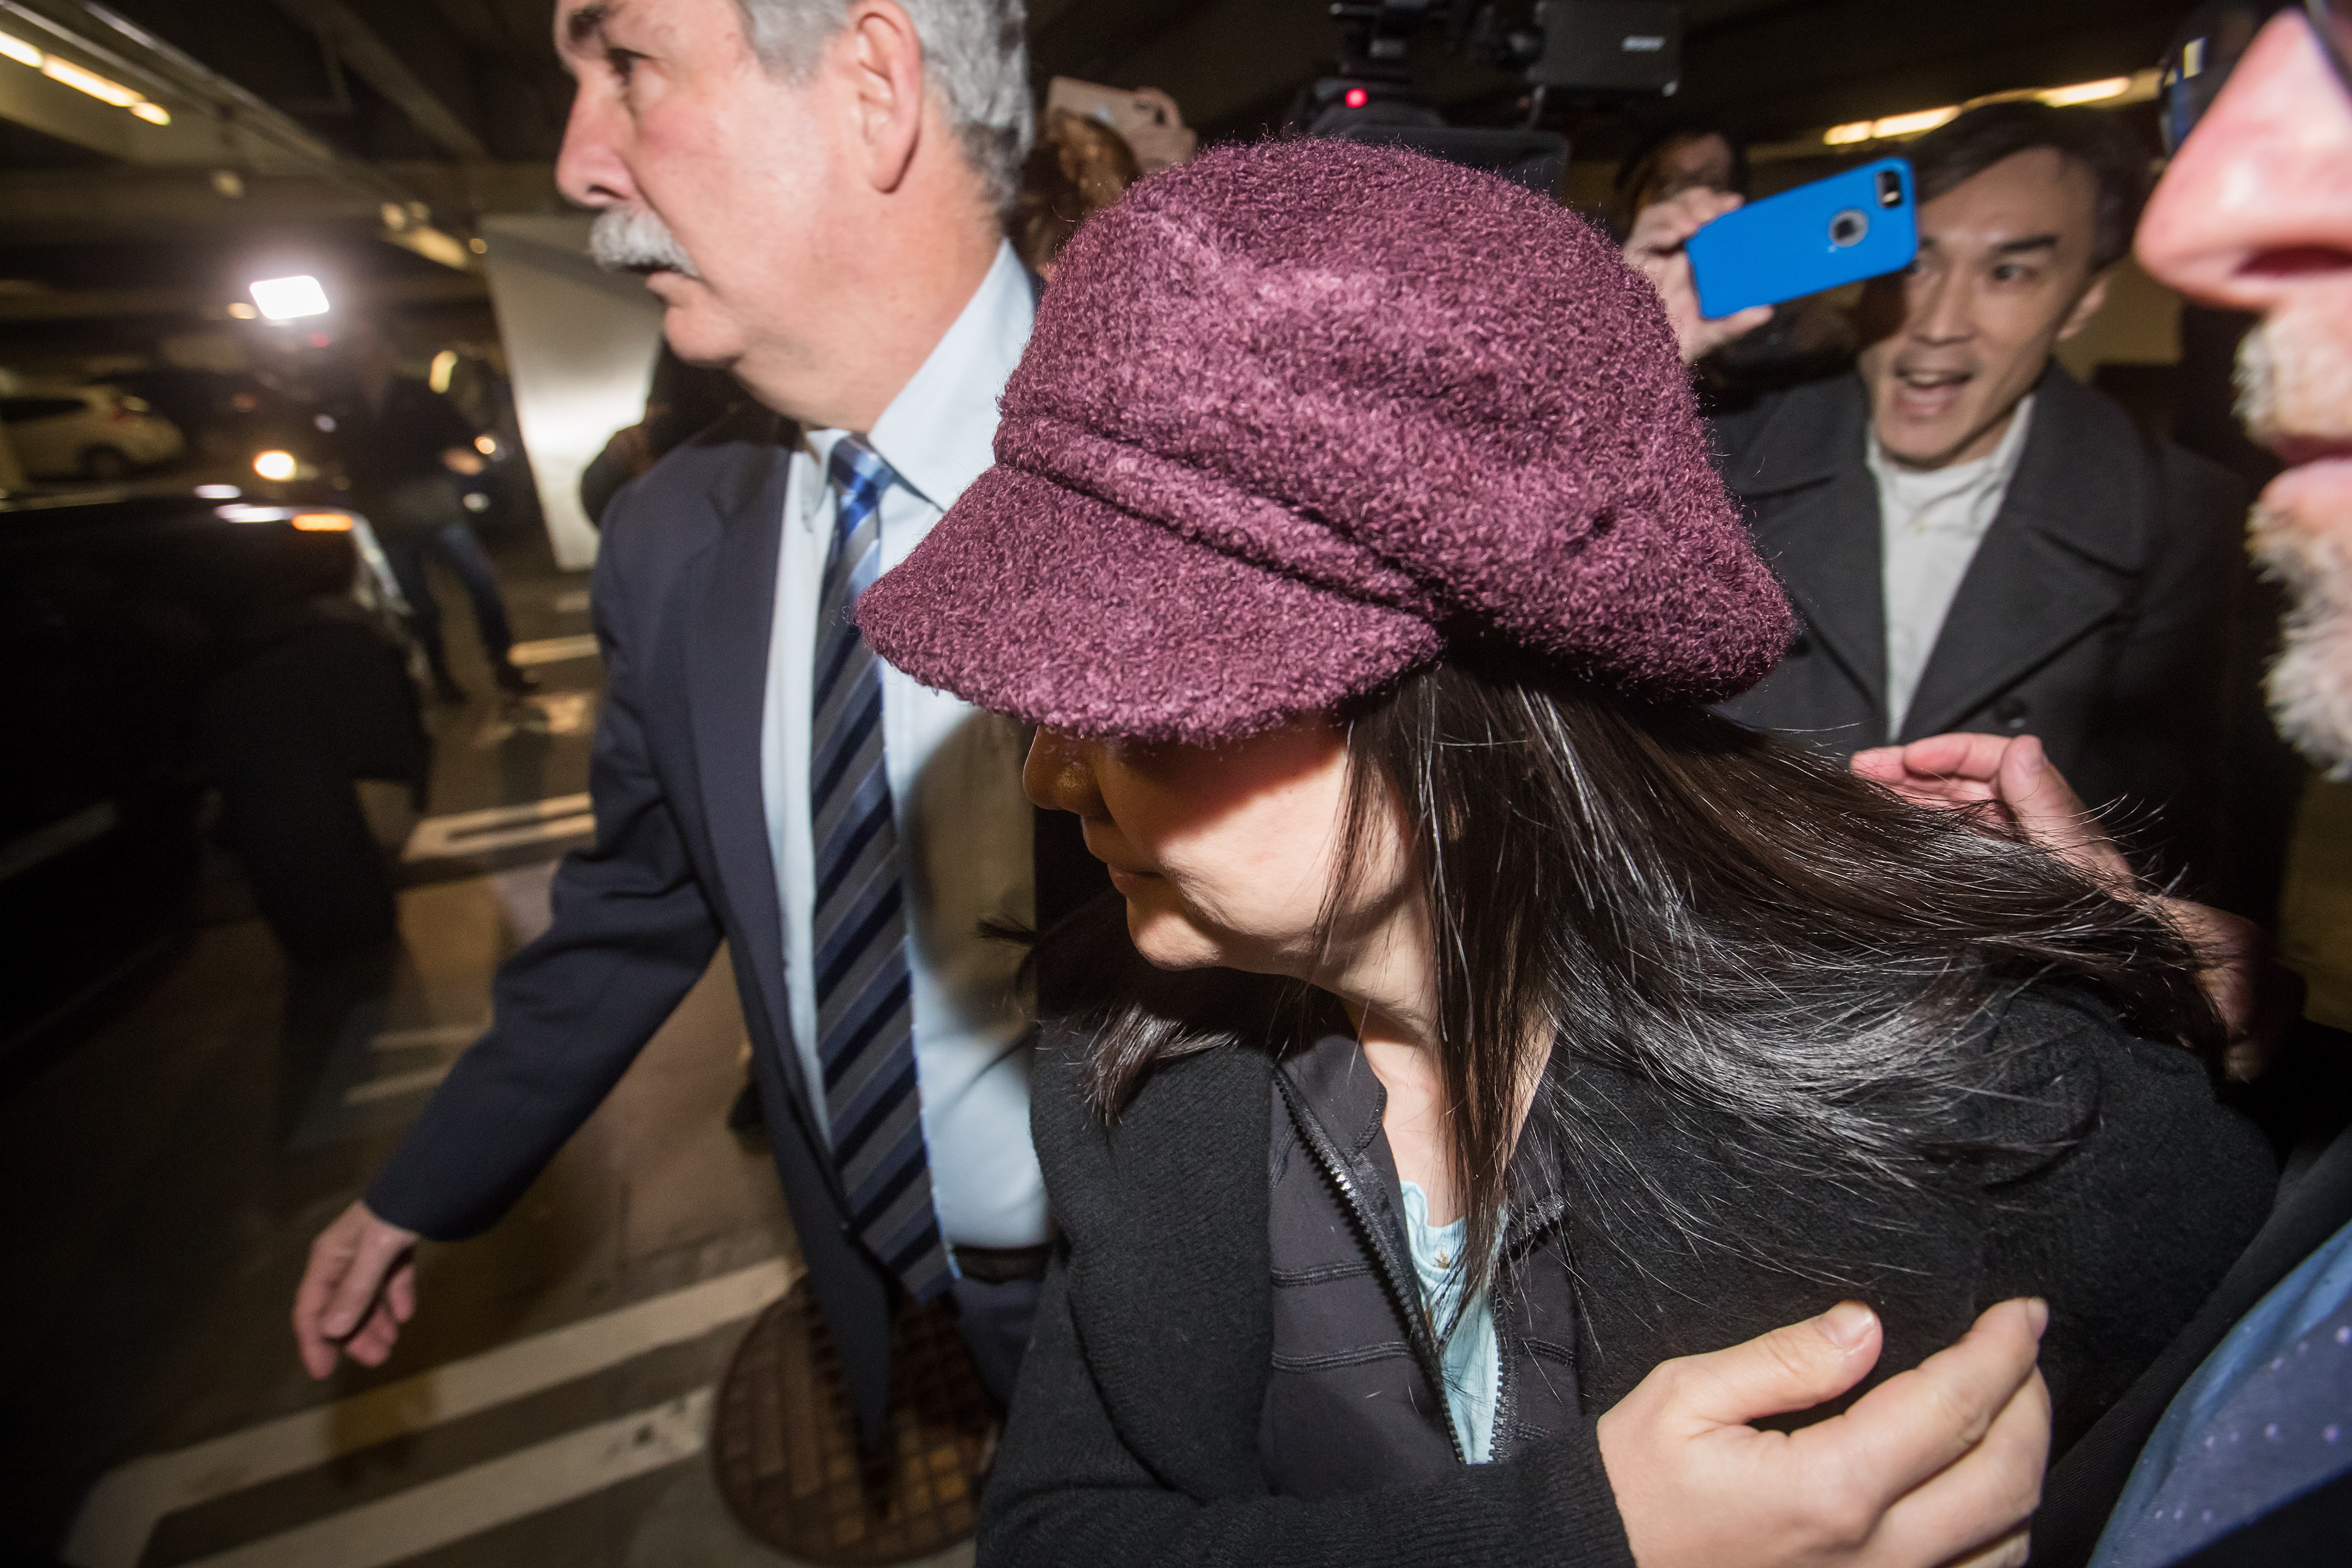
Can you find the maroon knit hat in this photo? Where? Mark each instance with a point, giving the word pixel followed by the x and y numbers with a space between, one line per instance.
pixel 1298 415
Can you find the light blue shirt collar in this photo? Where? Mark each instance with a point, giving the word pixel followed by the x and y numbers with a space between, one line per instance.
pixel 938 434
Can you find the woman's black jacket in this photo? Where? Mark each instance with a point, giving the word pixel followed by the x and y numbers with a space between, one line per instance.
pixel 1135 1435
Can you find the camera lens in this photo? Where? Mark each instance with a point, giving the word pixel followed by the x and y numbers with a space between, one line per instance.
pixel 1890 188
pixel 1848 227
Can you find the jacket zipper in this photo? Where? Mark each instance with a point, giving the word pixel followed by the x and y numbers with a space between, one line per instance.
pixel 1403 1288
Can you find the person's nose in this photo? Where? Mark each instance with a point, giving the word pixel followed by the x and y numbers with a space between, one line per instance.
pixel 1059 774
pixel 589 169
pixel 2256 208
pixel 1940 309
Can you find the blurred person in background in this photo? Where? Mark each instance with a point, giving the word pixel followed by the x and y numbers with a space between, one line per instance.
pixel 1684 155
pixel 1974 540
pixel 406 449
pixel 1078 167
pixel 682 401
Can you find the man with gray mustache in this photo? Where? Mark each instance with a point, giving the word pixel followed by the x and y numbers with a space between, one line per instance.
pixel 632 239
pixel 758 778
pixel 814 190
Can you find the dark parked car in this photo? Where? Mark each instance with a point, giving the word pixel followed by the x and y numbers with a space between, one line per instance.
pixel 158 647
pixel 240 422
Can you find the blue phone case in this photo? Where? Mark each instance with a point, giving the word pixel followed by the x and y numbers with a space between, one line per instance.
pixel 1833 231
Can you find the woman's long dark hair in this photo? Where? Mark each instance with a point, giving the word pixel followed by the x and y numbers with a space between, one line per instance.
pixel 1746 926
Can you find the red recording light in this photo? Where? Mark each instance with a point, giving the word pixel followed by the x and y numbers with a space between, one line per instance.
pixel 1357 98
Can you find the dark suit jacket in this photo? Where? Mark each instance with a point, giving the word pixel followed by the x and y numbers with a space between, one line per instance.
pixel 683 601
pixel 2095 614
pixel 2304 1102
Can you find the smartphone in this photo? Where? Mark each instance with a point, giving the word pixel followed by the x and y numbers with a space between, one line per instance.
pixel 1840 230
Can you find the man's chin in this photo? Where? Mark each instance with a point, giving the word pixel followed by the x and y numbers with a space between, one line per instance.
pixel 696 333
pixel 2310 686
pixel 1925 443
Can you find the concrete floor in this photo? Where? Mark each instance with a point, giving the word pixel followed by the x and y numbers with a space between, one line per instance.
pixel 160 1182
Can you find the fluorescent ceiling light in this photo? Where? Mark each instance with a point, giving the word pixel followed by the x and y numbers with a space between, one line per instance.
pixel 90 83
pixel 283 299
pixel 1888 127
pixel 431 244
pixel 2110 91
pixel 2088 92
pixel 1911 124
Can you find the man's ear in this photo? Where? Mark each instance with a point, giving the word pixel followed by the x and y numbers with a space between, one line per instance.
pixel 2087 306
pixel 884 56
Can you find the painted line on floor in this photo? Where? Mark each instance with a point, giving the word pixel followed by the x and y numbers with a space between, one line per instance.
pixel 553 650
pixel 123 1509
pixel 500 828
pixel 547 1475
pixel 392 1086
pixel 429 1036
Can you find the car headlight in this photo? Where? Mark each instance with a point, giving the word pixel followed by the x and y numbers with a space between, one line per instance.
pixel 275 465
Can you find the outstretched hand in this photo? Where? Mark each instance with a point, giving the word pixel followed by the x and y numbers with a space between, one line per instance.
pixel 1939 1465
pixel 2256 998
pixel 1656 250
pixel 358 1287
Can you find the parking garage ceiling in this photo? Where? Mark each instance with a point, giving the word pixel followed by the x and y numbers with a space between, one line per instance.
pixel 322 119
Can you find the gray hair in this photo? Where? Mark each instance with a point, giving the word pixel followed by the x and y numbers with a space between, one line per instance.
pixel 974 51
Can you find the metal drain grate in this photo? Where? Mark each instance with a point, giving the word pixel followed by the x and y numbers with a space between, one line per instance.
pixel 786 1449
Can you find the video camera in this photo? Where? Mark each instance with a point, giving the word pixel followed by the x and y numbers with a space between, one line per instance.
pixel 1597 47
pixel 1593 50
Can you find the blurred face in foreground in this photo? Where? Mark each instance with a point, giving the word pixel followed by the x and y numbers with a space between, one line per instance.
pixel 2004 275
pixel 2255 214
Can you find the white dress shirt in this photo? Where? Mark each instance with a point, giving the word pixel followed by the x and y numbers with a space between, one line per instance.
pixel 1930 521
pixel 964 828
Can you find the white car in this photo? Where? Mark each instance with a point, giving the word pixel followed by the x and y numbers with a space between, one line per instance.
pixel 86 432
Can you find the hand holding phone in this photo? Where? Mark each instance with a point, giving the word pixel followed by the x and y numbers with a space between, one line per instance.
pixel 1656 249
pixel 1146 118
pixel 1821 235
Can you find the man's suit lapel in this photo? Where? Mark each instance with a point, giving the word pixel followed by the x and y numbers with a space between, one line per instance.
pixel 1822 540
pixel 2059 558
pixel 727 692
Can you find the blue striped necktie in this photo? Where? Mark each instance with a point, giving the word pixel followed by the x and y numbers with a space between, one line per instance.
pixel 865 1011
